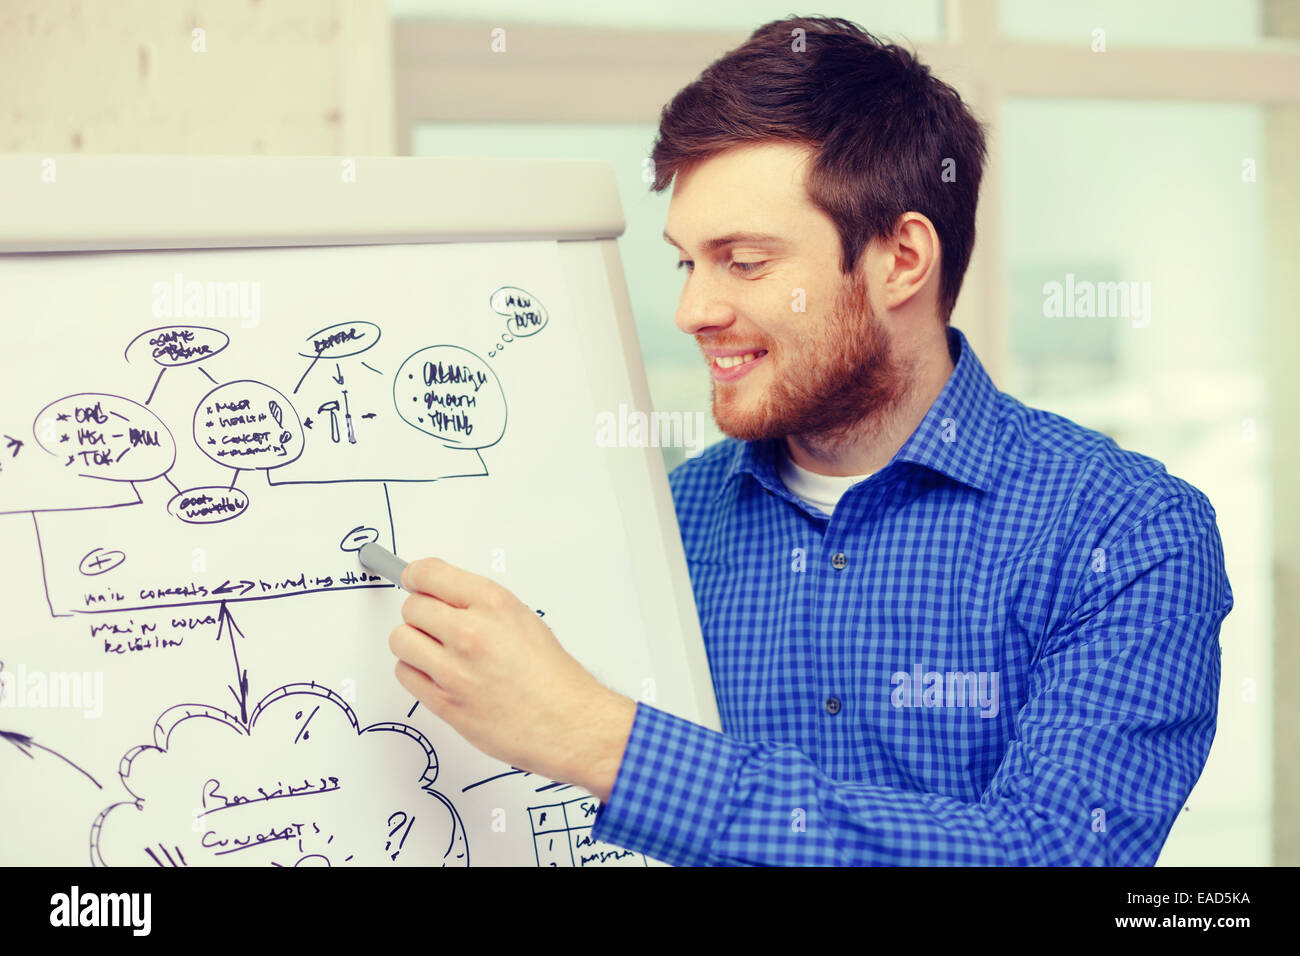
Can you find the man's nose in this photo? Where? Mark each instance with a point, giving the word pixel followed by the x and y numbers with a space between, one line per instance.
pixel 702 305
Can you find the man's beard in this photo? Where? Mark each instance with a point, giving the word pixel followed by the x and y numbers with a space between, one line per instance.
pixel 828 388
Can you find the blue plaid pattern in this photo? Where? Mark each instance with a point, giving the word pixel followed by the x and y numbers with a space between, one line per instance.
pixel 1001 543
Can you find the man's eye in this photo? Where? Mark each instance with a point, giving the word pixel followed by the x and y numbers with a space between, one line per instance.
pixel 743 267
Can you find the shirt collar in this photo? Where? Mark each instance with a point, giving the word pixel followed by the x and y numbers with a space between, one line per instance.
pixel 955 438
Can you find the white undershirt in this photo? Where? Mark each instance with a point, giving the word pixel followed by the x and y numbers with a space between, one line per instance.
pixel 821 491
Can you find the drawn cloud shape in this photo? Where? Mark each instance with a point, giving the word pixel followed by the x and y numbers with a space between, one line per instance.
pixel 300 784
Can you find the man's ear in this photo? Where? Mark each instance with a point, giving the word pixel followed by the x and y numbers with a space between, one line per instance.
pixel 906 262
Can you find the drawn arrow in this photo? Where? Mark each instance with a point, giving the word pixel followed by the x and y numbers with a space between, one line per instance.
pixel 307 423
pixel 226 588
pixel 226 625
pixel 339 377
pixel 15 444
pixel 25 743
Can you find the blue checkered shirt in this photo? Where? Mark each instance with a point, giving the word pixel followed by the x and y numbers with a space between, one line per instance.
pixel 1001 648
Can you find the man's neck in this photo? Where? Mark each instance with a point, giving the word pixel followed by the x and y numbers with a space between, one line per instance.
pixel 866 449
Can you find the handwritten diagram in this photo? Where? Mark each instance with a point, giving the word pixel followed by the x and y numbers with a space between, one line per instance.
pixel 276 778
pixel 182 499
pixel 445 393
pixel 249 426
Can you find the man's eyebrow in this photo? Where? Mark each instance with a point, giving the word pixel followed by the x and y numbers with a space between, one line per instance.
pixel 734 238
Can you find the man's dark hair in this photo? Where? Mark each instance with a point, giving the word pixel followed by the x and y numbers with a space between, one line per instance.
pixel 882 125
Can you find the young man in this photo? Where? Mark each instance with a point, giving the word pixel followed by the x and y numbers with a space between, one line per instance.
pixel 943 628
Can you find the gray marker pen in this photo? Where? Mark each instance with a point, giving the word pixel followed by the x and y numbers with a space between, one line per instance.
pixel 382 562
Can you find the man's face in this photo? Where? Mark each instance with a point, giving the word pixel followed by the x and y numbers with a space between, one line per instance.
pixel 755 249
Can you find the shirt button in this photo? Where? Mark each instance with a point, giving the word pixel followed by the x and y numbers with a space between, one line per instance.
pixel 832 705
pixel 839 560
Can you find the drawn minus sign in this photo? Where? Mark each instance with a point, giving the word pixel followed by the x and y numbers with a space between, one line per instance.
pixel 358 538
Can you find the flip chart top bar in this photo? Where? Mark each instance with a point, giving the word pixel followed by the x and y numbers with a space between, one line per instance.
pixel 74 202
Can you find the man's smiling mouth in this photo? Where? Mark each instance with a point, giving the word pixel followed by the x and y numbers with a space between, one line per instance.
pixel 727 367
pixel 730 361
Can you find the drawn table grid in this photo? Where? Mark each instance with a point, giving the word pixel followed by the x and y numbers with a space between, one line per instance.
pixel 562 837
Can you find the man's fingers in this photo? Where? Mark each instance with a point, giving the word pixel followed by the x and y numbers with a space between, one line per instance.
pixel 417 649
pixel 433 616
pixel 419 684
pixel 448 583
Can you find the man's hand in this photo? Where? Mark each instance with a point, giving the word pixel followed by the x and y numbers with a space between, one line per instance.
pixel 477 657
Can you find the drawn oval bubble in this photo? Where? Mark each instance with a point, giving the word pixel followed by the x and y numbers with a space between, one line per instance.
pixel 451 394
pixel 208 504
pixel 247 424
pixel 105 436
pixel 99 561
pixel 341 340
pixel 525 315
pixel 358 538
pixel 173 345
